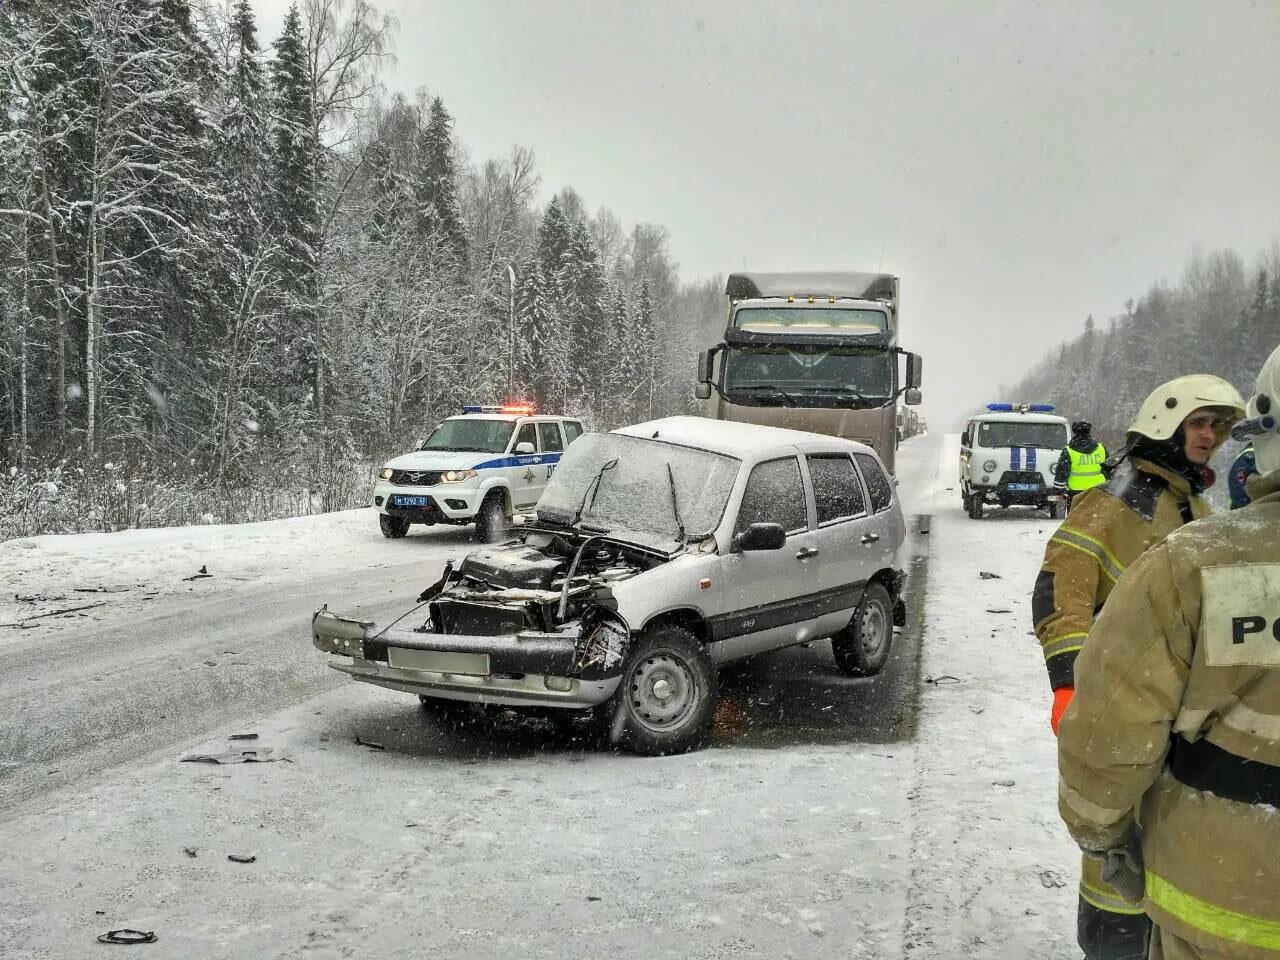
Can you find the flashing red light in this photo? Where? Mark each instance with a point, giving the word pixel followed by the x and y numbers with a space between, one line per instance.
pixel 521 409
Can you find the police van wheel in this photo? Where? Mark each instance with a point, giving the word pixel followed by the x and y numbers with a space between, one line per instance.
pixel 975 506
pixel 393 528
pixel 491 520
pixel 1056 509
pixel 862 647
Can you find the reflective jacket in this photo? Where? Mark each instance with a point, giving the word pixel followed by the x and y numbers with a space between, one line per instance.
pixel 1108 528
pixel 1079 466
pixel 1176 720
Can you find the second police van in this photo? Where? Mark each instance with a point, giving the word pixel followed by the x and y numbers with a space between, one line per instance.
pixel 1007 457
pixel 481 467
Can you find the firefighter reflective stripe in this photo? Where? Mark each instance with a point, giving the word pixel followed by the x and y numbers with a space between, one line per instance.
pixel 1086 468
pixel 1094 548
pixel 1064 644
pixel 1217 921
pixel 1108 900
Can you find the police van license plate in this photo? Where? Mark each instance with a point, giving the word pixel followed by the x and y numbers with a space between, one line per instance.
pixel 401 500
pixel 1023 486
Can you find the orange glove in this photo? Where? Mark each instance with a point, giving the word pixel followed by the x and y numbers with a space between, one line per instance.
pixel 1061 697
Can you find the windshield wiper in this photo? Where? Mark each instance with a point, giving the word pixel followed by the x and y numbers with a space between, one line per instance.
pixel 791 401
pixel 845 393
pixel 675 503
pixel 594 485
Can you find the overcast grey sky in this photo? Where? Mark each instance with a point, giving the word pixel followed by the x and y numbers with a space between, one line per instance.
pixel 1019 165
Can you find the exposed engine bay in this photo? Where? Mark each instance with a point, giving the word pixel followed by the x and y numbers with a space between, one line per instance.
pixel 551 583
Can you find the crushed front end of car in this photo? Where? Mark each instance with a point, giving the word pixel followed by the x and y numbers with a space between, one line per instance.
pixel 529 624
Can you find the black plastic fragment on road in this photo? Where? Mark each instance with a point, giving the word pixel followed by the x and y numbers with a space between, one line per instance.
pixel 125 935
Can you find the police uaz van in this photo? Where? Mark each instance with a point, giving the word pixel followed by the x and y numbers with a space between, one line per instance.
pixel 1007 457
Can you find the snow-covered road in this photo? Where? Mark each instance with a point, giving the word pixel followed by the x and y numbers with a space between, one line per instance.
pixel 510 840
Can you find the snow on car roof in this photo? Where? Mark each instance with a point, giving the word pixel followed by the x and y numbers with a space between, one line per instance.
pixel 1007 417
pixel 740 440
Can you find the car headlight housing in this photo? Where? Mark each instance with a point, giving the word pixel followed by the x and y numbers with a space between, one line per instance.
pixel 457 476
pixel 989 467
pixel 386 473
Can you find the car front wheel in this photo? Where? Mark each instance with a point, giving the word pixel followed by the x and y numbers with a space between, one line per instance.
pixel 491 520
pixel 666 700
pixel 862 647
pixel 393 528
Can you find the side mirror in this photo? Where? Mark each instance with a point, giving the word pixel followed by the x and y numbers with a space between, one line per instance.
pixel 912 397
pixel 704 366
pixel 525 448
pixel 915 366
pixel 761 536
pixel 964 439
pixel 702 391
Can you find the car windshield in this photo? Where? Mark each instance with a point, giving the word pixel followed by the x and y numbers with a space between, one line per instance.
pixel 635 493
pixel 1049 436
pixel 814 320
pixel 810 373
pixel 470 434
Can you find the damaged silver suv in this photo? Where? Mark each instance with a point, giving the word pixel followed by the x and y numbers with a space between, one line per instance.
pixel 658 552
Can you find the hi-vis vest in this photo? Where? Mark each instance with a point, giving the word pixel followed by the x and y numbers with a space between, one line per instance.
pixel 1086 468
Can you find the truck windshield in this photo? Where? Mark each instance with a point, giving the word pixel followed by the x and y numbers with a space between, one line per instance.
pixel 470 434
pixel 1047 436
pixel 815 320
pixel 810 375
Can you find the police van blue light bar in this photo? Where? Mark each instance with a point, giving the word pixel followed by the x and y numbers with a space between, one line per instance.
pixel 1020 408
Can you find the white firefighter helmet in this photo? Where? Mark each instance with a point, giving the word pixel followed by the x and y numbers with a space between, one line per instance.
pixel 1170 403
pixel 1264 415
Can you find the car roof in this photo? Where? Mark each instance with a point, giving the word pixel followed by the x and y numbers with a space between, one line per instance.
pixel 1006 417
pixel 744 441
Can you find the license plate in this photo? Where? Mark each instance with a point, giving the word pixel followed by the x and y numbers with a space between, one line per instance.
pixel 401 500
pixel 439 661
pixel 1023 486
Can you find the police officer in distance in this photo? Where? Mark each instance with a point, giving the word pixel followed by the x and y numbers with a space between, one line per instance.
pixel 1176 723
pixel 1079 466
pixel 1159 476
pixel 1242 468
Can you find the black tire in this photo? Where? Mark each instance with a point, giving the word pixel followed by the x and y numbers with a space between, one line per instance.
pixel 639 717
pixel 393 528
pixel 862 648
pixel 975 506
pixel 492 524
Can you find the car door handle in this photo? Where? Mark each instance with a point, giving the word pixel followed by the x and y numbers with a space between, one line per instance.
pixel 806 552
pixel 870 538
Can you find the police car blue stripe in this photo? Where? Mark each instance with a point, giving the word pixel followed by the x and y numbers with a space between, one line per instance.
pixel 1031 458
pixel 530 459
pixel 1015 458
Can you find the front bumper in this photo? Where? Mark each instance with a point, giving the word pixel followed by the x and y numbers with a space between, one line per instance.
pixel 449 501
pixel 1027 491
pixel 526 669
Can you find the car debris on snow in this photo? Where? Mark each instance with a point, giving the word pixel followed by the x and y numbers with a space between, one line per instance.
pixel 988 575
pixel 200 574
pixel 128 936
pixel 241 858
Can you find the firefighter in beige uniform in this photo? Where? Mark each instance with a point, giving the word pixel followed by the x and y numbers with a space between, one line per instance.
pixel 1176 723
pixel 1155 489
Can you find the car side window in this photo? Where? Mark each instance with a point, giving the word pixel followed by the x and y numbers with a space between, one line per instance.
pixel 572 431
pixel 878 485
pixel 775 494
pixel 526 434
pixel 836 487
pixel 549 435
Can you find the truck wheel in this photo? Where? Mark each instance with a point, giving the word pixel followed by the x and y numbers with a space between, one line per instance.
pixel 393 528
pixel 862 648
pixel 666 699
pixel 491 520
pixel 975 506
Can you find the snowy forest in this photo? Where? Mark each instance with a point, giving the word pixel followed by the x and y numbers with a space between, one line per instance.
pixel 236 273
pixel 1221 317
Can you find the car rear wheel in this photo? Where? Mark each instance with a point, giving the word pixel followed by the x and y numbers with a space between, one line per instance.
pixel 666 700
pixel 393 528
pixel 862 648
pixel 491 520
